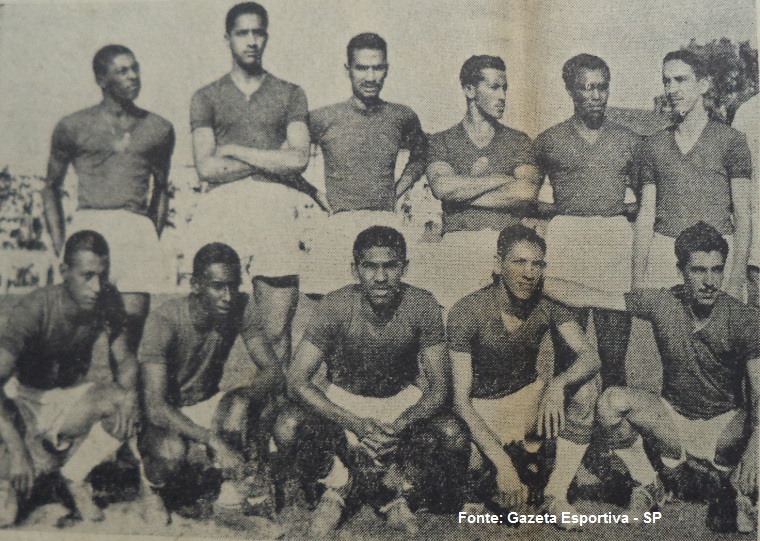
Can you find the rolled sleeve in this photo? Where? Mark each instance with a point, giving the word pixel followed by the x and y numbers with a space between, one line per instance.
pixel 323 327
pixel 24 325
pixel 62 144
pixel 461 328
pixel 432 330
pixel 298 106
pixel 643 303
pixel 157 340
pixel 738 158
pixel 201 111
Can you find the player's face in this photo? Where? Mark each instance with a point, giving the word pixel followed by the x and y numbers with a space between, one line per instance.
pixel 367 71
pixel 85 278
pixel 122 79
pixel 379 272
pixel 703 276
pixel 217 288
pixel 490 94
pixel 590 94
pixel 522 269
pixel 248 39
pixel 682 88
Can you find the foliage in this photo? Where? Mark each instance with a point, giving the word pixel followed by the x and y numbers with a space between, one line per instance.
pixel 734 73
pixel 21 212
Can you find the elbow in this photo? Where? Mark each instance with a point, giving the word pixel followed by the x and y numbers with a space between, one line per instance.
pixel 438 189
pixel 301 162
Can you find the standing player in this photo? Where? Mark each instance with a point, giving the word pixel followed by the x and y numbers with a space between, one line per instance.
pixel 494 340
pixel 183 354
pixel 589 161
pixel 747 121
pixel 46 352
pixel 116 149
pixel 383 344
pixel 697 169
pixel 709 342
pixel 360 139
pixel 251 142
pixel 483 172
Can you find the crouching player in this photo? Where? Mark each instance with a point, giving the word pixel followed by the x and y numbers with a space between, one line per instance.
pixel 708 342
pixel 183 354
pixel 494 338
pixel 374 433
pixel 65 419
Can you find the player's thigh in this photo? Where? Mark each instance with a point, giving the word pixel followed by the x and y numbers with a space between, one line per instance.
pixel 647 414
pixel 100 401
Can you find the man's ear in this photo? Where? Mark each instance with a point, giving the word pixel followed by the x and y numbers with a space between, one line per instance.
pixel 194 285
pixel 469 91
pixel 354 270
pixel 64 269
pixel 497 265
pixel 406 268
pixel 705 84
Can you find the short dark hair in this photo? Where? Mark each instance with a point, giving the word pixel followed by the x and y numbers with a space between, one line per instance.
pixel 700 237
pixel 367 40
pixel 246 8
pixel 84 241
pixel 580 62
pixel 105 55
pixel 472 69
pixel 379 236
pixel 513 234
pixel 212 253
pixel 690 58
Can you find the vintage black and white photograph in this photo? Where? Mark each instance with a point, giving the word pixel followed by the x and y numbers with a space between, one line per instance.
pixel 377 269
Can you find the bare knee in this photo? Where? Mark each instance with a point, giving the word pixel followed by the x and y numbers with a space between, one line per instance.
pixel 612 406
pixel 162 454
pixel 451 432
pixel 285 428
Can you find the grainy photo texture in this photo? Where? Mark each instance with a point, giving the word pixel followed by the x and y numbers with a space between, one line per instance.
pixel 376 269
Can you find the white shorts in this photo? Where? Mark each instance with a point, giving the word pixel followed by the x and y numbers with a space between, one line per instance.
pixel 384 410
pixel 329 243
pixel 699 437
pixel 138 262
pixel 202 413
pixel 661 266
pixel 262 221
pixel 514 416
pixel 44 412
pixel 462 262
pixel 591 250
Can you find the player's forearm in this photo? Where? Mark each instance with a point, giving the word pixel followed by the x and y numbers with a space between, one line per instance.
pixel 518 196
pixel 412 173
pixel 217 170
pixel 582 296
pixel 643 230
pixel 741 247
pixel 462 189
pixel 284 161
pixel 53 211
pixel 9 434
pixel 585 367
pixel 483 436
pixel 165 416
pixel 314 400
pixel 427 406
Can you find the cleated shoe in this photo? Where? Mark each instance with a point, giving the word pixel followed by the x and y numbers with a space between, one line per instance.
pixel 555 506
pixel 400 517
pixel 86 509
pixel 646 499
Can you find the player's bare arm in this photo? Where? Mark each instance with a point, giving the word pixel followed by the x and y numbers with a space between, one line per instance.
pixel 448 186
pixel 642 233
pixel 126 372
pixel 586 365
pixel 741 201
pixel 270 378
pixel 436 374
pixel 302 388
pixel 514 195
pixel 513 491
pixel 581 296
pixel 158 209
pixel 744 476
pixel 289 160
pixel 52 197
pixel 21 473
pixel 415 167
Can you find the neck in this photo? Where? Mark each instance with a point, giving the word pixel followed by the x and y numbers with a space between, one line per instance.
pixel 582 125
pixel 243 75
pixel 694 121
pixel 365 103
pixel 116 106
pixel 476 120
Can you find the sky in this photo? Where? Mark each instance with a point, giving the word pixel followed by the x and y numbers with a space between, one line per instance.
pixel 46 50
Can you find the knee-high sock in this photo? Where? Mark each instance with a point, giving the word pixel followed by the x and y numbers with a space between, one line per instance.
pixel 97 446
pixel 569 457
pixel 637 462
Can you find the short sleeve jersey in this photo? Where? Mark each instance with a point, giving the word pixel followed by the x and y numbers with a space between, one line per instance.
pixel 370 356
pixel 114 167
pixel 195 353
pixel 52 339
pixel 702 370
pixel 507 150
pixel 747 121
pixel 360 147
pixel 588 179
pixel 260 121
pixel 697 185
pixel 503 362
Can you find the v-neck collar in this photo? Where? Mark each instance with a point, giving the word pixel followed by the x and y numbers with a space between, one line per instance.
pixel 497 128
pixel 697 142
pixel 247 98
pixel 583 140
